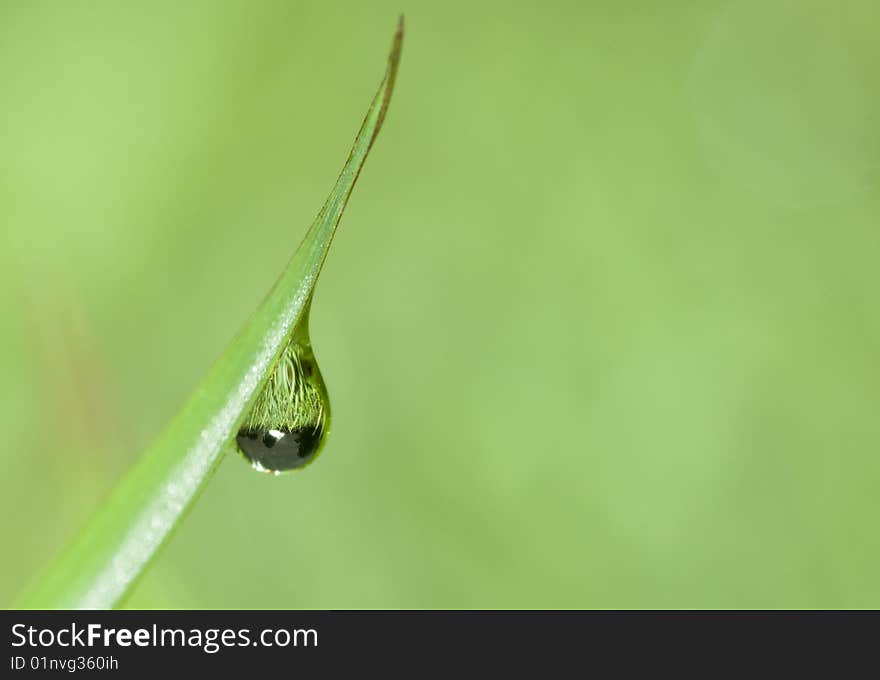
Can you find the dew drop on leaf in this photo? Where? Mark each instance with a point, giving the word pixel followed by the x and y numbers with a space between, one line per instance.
pixel 288 423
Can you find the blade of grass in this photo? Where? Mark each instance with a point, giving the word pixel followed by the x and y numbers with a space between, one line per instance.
pixel 99 568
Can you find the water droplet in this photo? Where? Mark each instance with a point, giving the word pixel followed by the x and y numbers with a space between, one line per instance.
pixel 288 423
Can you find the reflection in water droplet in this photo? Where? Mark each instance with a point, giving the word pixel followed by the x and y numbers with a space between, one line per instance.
pixel 290 419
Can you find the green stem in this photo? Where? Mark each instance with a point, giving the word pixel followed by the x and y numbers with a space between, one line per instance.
pixel 102 564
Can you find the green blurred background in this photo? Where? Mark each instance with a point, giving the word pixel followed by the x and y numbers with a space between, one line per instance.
pixel 600 325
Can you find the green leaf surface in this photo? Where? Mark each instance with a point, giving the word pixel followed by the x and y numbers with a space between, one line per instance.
pixel 99 568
